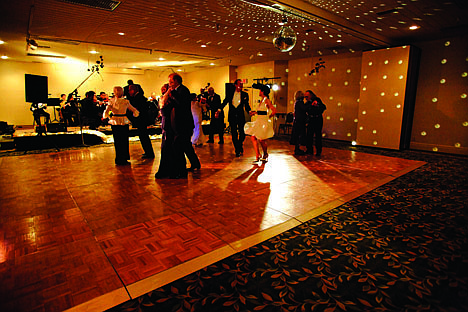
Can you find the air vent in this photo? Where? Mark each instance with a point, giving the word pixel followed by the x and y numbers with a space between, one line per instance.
pixel 46 55
pixel 108 5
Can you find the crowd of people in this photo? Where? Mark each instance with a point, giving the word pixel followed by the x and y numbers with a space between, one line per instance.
pixel 181 114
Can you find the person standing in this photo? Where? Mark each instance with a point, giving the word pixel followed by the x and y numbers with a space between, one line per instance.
pixel 183 125
pixel 127 88
pixel 315 109
pixel 238 103
pixel 213 103
pixel 262 128
pixel 166 162
pixel 298 134
pixel 142 122
pixel 198 138
pixel 116 112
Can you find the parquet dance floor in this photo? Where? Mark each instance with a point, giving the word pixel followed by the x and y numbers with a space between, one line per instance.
pixel 79 233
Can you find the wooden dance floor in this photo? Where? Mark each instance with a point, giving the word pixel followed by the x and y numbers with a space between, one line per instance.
pixel 79 233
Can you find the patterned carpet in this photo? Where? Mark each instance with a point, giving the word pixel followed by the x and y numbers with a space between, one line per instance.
pixel 401 247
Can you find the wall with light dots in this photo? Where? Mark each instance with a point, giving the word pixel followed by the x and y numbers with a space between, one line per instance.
pixel 386 100
pixel 440 122
pixel 366 94
pixel 337 85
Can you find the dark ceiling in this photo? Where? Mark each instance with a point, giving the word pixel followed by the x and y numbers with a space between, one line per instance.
pixel 201 33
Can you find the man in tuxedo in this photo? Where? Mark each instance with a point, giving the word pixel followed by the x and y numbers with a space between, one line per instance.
pixel 142 121
pixel 238 102
pixel 182 125
pixel 213 102
pixel 130 83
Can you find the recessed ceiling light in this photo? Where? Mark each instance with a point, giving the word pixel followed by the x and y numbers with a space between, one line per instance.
pixel 413 27
pixel 162 59
pixel 2 42
pixel 93 52
pixel 212 64
pixel 203 45
pixel 121 33
pixel 4 57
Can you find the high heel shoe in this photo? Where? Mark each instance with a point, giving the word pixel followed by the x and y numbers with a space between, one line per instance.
pixel 264 157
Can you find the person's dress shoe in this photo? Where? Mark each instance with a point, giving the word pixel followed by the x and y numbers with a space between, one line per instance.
pixel 238 154
pixel 160 175
pixel 193 168
pixel 221 142
pixel 210 141
pixel 146 156
pixel 299 152
pixel 310 152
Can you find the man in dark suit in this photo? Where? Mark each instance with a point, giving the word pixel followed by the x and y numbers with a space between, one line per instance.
pixel 213 102
pixel 130 83
pixel 315 109
pixel 238 102
pixel 142 121
pixel 183 125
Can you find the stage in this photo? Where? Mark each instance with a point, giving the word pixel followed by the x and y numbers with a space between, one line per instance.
pixel 27 138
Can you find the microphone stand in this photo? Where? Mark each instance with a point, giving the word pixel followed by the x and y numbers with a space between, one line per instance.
pixel 75 93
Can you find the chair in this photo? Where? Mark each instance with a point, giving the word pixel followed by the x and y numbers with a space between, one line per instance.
pixel 287 125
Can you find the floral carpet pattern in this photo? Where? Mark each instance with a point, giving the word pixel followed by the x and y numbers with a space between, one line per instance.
pixel 400 247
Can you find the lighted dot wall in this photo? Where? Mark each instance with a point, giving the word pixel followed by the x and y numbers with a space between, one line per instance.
pixel 440 122
pixel 384 76
pixel 337 85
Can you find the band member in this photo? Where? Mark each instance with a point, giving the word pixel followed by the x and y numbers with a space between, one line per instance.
pixel 38 110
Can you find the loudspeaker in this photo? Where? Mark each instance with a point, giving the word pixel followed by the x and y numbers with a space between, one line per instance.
pixel 56 127
pixel 36 88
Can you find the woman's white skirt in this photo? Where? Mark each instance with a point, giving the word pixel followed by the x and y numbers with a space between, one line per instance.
pixel 261 127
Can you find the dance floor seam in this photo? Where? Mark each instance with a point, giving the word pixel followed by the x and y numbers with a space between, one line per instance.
pixel 79 233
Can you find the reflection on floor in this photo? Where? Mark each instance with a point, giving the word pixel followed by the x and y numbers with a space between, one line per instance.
pixel 79 233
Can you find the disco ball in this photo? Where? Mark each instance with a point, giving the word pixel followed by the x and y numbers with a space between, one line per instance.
pixel 284 39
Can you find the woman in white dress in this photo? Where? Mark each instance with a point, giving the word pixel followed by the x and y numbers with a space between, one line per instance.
pixel 198 138
pixel 261 128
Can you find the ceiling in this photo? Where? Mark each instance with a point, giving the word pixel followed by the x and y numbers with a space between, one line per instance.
pixel 160 33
